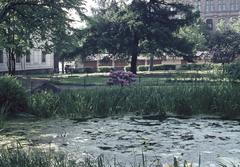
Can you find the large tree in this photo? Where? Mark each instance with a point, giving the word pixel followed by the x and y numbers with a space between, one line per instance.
pixel 33 23
pixel 224 44
pixel 141 27
pixel 196 34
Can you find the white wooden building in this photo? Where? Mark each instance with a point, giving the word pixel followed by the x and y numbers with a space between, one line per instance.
pixel 36 62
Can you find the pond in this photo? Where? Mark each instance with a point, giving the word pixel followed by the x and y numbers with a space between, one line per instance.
pixel 126 139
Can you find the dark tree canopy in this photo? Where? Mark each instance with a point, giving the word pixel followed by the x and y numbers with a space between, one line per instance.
pixel 225 46
pixel 224 43
pixel 139 27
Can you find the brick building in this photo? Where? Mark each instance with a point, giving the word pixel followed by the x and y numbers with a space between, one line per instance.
pixel 213 11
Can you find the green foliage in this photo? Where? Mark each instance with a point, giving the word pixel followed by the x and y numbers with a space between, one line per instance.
pixel 220 99
pixel 3 115
pixel 13 98
pixel 44 104
pixel 37 158
pixel 89 70
pixel 198 67
pixel 35 23
pixel 232 70
pixel 127 68
pixel 196 35
pixel 224 43
pixel 105 69
pixel 164 67
pixel 224 46
pixel 128 29
pixel 233 25
pixel 143 68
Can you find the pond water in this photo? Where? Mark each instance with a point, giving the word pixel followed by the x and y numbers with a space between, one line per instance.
pixel 126 139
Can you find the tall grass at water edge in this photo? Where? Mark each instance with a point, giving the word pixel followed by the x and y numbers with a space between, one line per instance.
pixel 18 157
pixel 221 99
pixel 34 158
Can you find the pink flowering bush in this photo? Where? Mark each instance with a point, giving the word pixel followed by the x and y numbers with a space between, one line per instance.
pixel 121 78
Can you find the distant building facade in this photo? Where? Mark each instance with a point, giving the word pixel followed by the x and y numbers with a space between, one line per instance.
pixel 37 61
pixel 213 11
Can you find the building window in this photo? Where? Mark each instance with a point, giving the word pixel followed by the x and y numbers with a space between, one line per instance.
pixel 43 57
pixel 1 56
pixel 221 5
pixel 209 23
pixel 233 5
pixel 210 6
pixel 28 58
pixel 198 5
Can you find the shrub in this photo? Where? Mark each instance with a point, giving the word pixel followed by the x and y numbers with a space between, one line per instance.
pixel 105 69
pixel 121 78
pixel 90 70
pixel 12 95
pixel 164 67
pixel 3 115
pixel 196 67
pixel 44 104
pixel 77 70
pixel 143 68
pixel 232 71
pixel 127 68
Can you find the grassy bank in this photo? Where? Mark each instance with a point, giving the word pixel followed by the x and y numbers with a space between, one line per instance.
pixel 147 79
pixel 34 158
pixel 38 158
pixel 220 99
pixel 213 98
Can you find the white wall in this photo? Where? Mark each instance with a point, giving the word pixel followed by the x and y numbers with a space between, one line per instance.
pixel 35 62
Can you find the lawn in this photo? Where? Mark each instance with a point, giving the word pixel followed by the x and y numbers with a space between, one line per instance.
pixel 155 78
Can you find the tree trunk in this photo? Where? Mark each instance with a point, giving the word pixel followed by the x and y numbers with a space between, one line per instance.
pixel 151 62
pixel 134 63
pixel 134 53
pixel 63 67
pixel 56 63
pixel 11 62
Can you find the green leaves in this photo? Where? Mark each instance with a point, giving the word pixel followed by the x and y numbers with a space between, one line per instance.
pixel 140 26
pixel 224 44
pixel 26 24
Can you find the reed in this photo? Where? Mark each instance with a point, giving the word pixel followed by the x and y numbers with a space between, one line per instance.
pixel 220 99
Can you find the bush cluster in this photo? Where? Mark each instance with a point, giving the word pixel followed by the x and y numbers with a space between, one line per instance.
pixel 164 67
pixel 143 68
pixel 121 78
pixel 127 68
pixel 44 104
pixel 196 67
pixel 105 69
pixel 13 97
pixel 232 71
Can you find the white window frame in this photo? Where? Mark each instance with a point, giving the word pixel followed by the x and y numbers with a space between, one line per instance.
pixel 210 6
